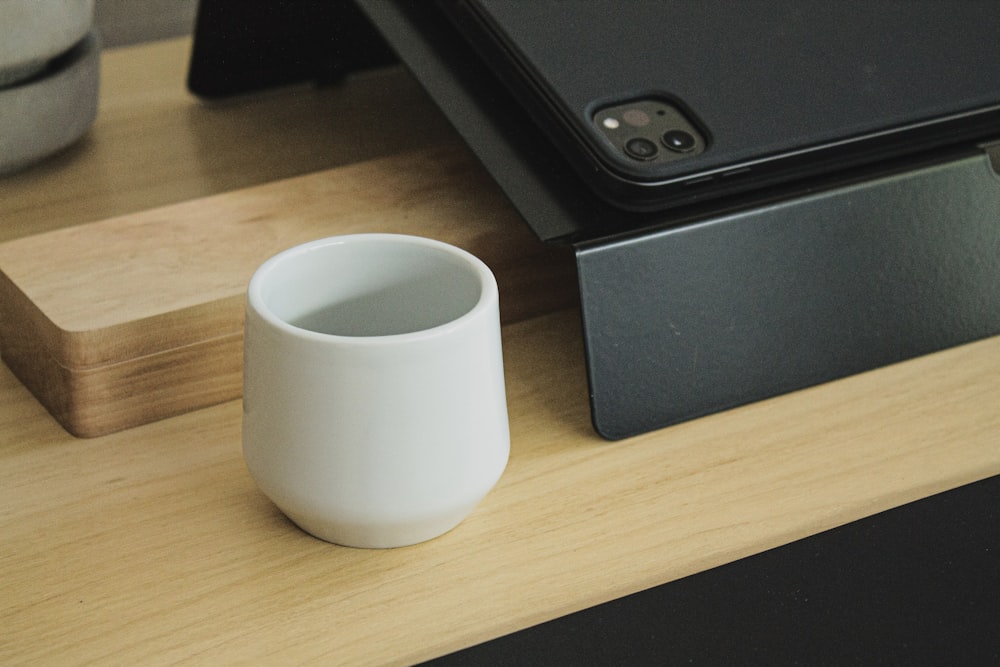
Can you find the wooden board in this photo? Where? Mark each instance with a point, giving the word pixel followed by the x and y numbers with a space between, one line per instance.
pixel 156 328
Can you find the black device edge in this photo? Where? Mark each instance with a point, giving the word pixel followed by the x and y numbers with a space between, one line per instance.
pixel 279 44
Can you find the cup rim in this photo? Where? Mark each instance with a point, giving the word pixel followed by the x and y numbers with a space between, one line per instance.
pixel 488 292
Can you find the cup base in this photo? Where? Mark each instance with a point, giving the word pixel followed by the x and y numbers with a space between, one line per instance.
pixel 382 535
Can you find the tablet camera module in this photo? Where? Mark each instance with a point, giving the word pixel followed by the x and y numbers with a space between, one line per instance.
pixel 650 130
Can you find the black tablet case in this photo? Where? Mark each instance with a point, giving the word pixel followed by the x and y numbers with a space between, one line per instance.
pixel 728 301
pixel 822 84
pixel 695 310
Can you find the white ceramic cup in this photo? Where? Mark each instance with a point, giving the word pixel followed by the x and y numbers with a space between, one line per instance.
pixel 374 411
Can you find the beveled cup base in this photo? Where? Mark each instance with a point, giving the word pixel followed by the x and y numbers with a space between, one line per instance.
pixel 381 535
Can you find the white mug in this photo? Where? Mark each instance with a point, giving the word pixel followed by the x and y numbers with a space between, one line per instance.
pixel 374 411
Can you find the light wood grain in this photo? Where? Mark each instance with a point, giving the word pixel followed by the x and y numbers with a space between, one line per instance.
pixel 152 545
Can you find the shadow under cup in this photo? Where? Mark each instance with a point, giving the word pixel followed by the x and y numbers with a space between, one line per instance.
pixel 374 405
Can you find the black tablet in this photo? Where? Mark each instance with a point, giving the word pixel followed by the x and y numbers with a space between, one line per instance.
pixel 662 102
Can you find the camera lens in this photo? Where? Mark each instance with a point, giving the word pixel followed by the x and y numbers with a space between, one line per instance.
pixel 641 149
pixel 679 141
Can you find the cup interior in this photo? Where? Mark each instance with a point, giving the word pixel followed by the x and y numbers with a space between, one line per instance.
pixel 366 286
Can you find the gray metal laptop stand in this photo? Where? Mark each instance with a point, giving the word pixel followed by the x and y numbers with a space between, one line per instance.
pixel 721 302
pixel 686 321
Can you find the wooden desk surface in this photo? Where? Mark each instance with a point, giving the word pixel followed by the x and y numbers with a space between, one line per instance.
pixel 153 545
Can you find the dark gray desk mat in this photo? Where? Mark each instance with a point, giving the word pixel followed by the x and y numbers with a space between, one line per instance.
pixel 916 585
